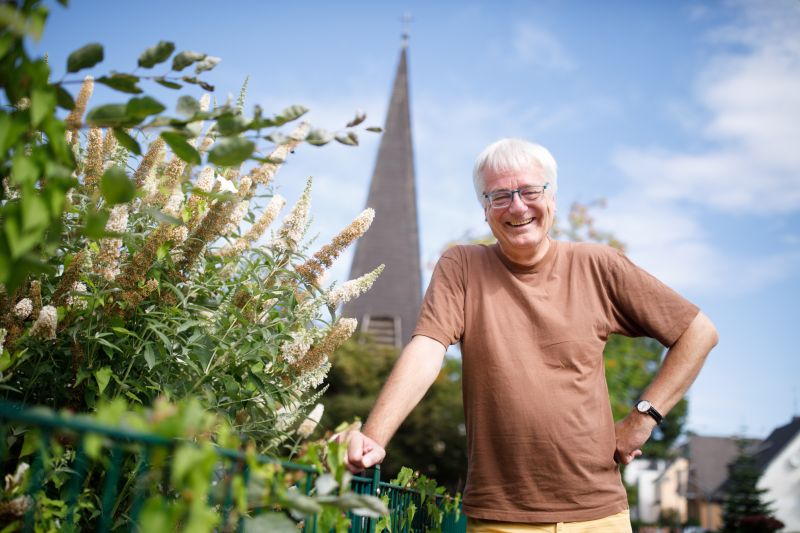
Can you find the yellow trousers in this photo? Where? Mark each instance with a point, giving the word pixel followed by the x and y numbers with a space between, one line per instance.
pixel 617 523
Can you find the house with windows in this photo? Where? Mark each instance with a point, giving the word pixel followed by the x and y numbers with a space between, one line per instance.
pixel 691 487
pixel 778 458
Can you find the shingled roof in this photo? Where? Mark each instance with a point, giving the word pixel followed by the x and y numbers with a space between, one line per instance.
pixel 767 450
pixel 780 437
pixel 389 310
pixel 709 458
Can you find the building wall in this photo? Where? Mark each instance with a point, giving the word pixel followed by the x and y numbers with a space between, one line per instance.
pixel 708 514
pixel 642 474
pixel 781 479
pixel 671 488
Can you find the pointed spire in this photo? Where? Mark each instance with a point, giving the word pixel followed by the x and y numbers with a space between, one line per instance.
pixel 390 309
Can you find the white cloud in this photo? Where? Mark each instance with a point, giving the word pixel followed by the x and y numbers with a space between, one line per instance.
pixel 750 127
pixel 752 163
pixel 533 45
pixel 672 245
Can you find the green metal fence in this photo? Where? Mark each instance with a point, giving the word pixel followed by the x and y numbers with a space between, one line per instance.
pixel 129 457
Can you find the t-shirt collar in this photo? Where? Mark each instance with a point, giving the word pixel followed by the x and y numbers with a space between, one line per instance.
pixel 526 269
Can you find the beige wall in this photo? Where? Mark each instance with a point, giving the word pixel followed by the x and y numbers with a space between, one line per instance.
pixel 709 514
pixel 671 488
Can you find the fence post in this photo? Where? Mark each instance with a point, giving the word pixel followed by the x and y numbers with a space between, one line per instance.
pixel 375 490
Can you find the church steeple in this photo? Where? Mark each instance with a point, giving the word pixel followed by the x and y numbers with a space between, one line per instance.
pixel 390 309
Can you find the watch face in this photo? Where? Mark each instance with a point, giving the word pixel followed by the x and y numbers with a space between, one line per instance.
pixel 643 406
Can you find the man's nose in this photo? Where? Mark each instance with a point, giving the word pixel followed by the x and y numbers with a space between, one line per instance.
pixel 517 205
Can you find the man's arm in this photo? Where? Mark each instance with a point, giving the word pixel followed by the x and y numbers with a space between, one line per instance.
pixel 681 365
pixel 412 375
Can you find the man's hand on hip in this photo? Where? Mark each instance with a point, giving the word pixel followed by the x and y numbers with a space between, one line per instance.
pixel 632 432
pixel 362 451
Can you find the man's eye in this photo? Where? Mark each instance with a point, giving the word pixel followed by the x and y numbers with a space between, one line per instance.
pixel 505 195
pixel 530 194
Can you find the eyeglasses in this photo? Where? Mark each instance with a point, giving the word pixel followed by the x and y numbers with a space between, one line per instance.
pixel 503 198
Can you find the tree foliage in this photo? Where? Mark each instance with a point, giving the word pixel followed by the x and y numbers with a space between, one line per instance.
pixel 744 509
pixel 431 439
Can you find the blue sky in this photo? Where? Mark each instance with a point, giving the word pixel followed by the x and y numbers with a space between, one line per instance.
pixel 683 115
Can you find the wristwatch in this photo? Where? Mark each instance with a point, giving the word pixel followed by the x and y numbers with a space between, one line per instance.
pixel 645 407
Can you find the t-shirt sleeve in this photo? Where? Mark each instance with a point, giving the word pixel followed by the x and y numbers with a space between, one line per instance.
pixel 643 306
pixel 442 315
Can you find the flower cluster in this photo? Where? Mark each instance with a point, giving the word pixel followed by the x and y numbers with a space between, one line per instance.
pixel 107 260
pixel 294 349
pixel 324 258
pixel 256 230
pixel 75 117
pixel 45 326
pixel 294 225
pixel 337 334
pixel 23 308
pixel 353 288
pixel 93 165
pixel 75 302
pixel 153 156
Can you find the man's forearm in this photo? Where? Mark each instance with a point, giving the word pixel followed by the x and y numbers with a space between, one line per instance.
pixel 684 360
pixel 411 377
pixel 682 363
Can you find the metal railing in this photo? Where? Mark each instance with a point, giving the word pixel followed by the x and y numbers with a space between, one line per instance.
pixel 131 460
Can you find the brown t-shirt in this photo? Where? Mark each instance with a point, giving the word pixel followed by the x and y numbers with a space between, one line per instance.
pixel 540 434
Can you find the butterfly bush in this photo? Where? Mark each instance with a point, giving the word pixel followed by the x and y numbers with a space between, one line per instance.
pixel 187 292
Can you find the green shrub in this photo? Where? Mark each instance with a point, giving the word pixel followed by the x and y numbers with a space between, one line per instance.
pixel 155 275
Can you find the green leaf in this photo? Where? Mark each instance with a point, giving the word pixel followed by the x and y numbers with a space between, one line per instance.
pixel 207 63
pixel 160 216
pixel 302 503
pixel 64 99
pixel 168 84
pixel 149 356
pixel 186 58
pixel 156 54
pixel 195 81
pixel 291 113
pixel 103 376
pixel 188 106
pixel 116 187
pixel 325 484
pixel 143 107
pixel 110 116
pixel 270 523
pixel 231 151
pixel 127 141
pixel 359 118
pixel 181 147
pixel 375 129
pixel 231 124
pixel 35 214
pixel 23 170
pixel 85 57
pixel 185 459
pixel 95 226
pixel 319 137
pixel 19 242
pixel 11 130
pixel 361 504
pixel 349 138
pixel 125 83
pixel 43 104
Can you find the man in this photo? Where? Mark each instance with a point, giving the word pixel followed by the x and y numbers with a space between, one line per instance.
pixel 532 316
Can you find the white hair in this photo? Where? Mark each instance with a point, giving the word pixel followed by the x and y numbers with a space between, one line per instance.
pixel 510 155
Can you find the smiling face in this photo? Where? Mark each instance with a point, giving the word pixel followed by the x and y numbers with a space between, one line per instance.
pixel 521 230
